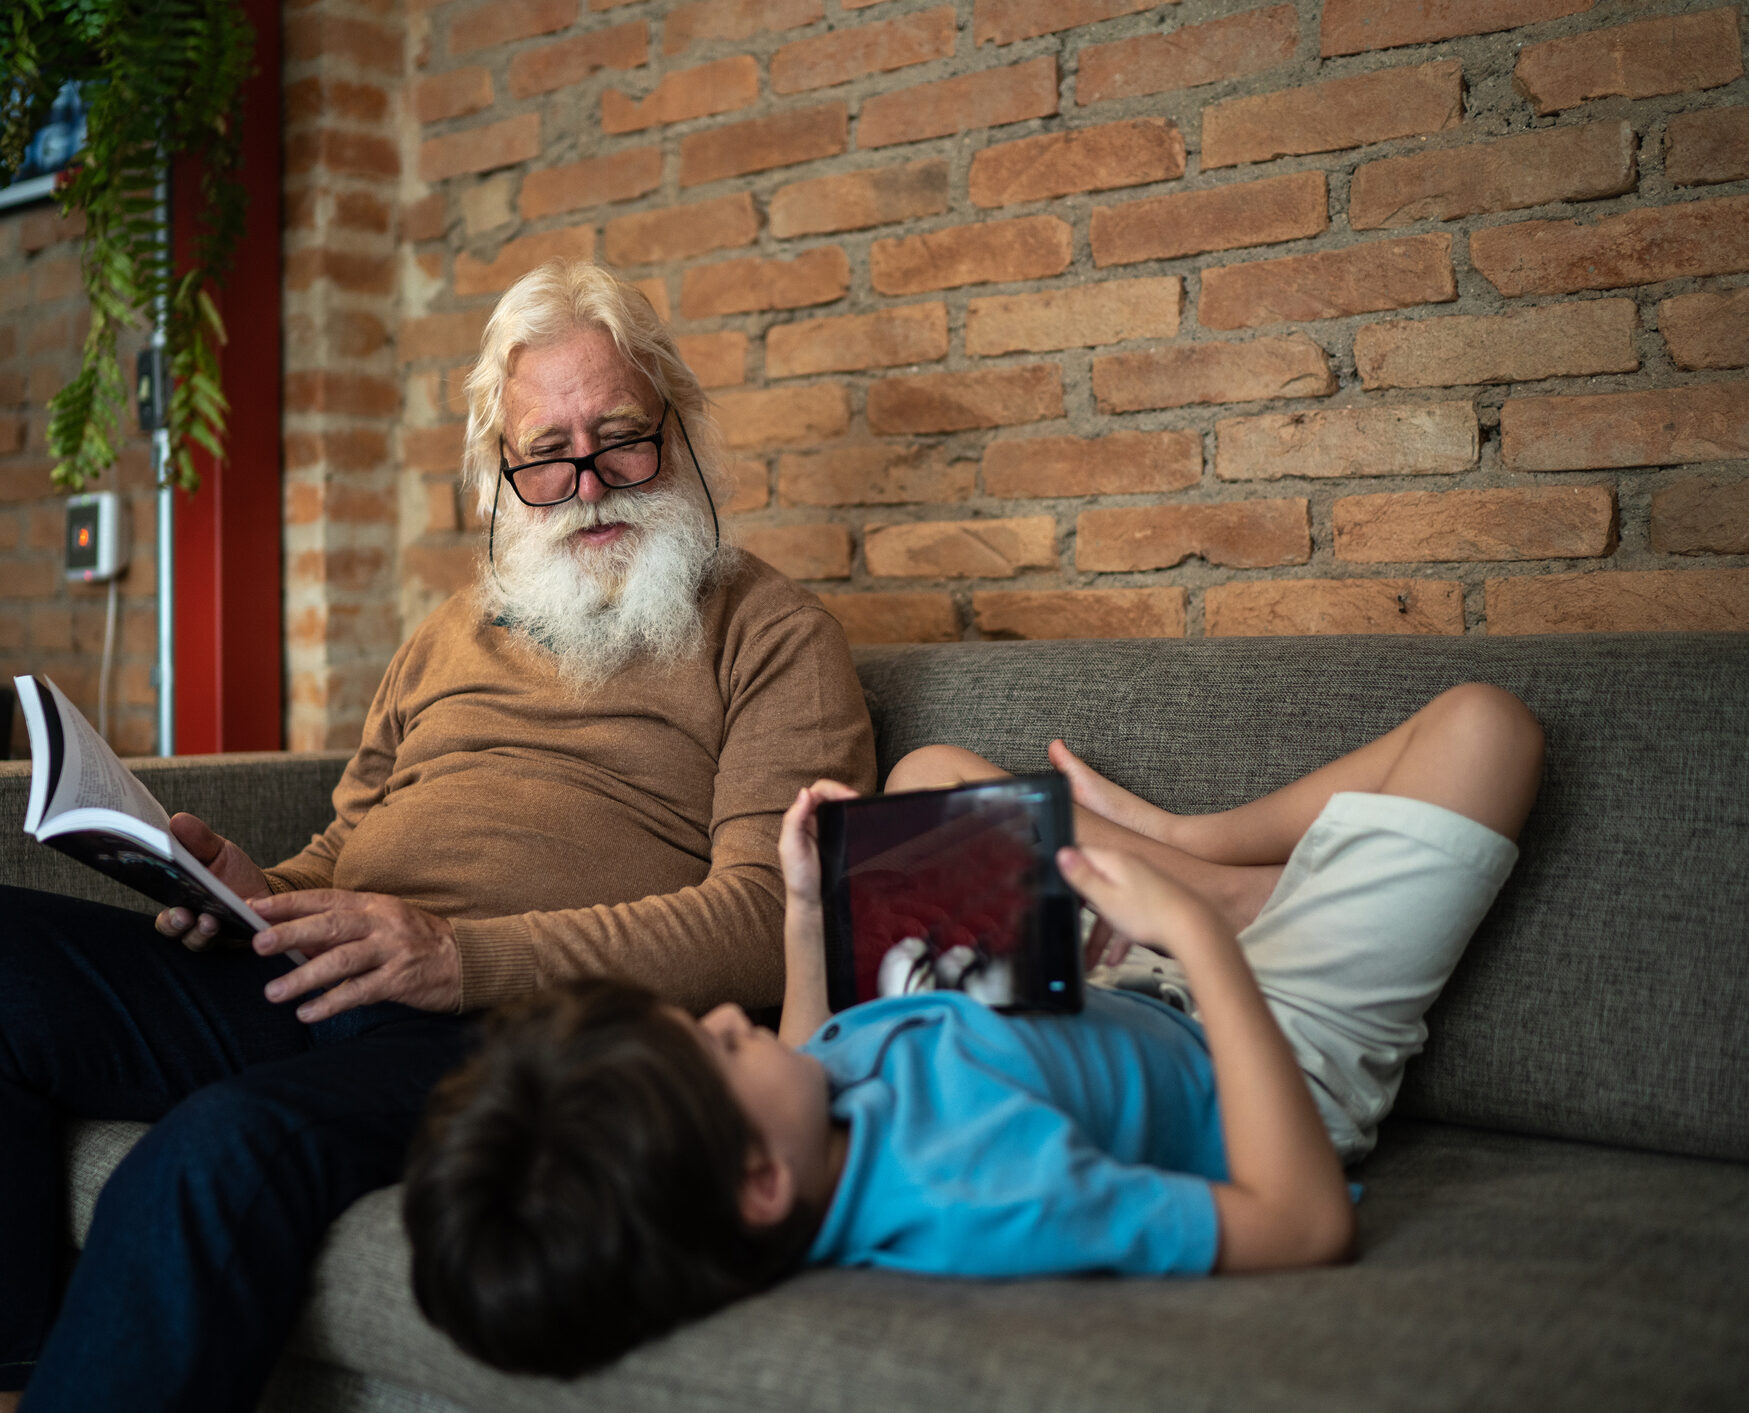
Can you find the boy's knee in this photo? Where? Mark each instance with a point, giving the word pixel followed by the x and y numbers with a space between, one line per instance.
pixel 1494 718
pixel 936 767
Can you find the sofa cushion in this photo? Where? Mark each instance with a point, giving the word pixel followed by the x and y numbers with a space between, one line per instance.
pixel 1501 1272
pixel 1604 996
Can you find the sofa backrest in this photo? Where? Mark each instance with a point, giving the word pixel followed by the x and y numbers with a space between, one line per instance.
pixel 1606 996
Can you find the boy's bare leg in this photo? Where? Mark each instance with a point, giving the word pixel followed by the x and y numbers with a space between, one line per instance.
pixel 1238 893
pixel 1475 749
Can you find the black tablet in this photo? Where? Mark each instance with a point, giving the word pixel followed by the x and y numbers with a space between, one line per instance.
pixel 935 890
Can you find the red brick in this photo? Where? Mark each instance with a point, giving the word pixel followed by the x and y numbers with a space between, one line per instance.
pixel 361 211
pixel 1264 369
pixel 1329 284
pixel 501 21
pixel 1005 21
pixel 339 449
pixel 1637 247
pixel 1709 146
pixel 853 201
pixel 1525 522
pixel 591 182
pixel 838 56
pixel 817 276
pixel 442 335
pixel 957 402
pixel 433 448
pixel 1578 163
pixel 1032 248
pixel 1671 54
pixel 1330 116
pixel 986 99
pixel 516 258
pixel 1272 607
pixel 1701 517
pixel 734 19
pixel 1355 26
pixel 1219 218
pixel 313 99
pixel 1707 330
pixel 1119 463
pixel 655 290
pixel 874 474
pixel 1402 439
pixel 961 549
pixel 57 279
pixel 1187 57
pixel 1658 601
pixel 751 491
pixel 681 232
pixel 1242 534
pixel 379 48
pixel 1081 316
pixel 716 360
pixel 894 618
pixel 762 417
pixel 344 269
pixel 802 551
pixel 480 149
pixel 888 338
pixel 1667 427
pixel 719 87
pixel 561 63
pixel 763 143
pixel 37 230
pixel 11 434
pixel 1132 153
pixel 1520 346
pixel 451 95
pixel 353 154
pixel 1079 613
pixel 350 393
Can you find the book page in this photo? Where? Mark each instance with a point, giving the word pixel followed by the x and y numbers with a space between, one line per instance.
pixel 92 775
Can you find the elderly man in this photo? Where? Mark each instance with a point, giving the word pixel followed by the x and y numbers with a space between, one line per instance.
pixel 576 768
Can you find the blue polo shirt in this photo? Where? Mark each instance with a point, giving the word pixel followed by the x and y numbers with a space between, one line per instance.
pixel 984 1144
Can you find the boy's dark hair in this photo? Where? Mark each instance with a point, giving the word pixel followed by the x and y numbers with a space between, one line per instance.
pixel 576 1186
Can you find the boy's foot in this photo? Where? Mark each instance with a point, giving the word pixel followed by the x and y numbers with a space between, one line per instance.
pixel 1097 795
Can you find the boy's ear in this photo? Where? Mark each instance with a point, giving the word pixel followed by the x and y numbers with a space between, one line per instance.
pixel 768 1189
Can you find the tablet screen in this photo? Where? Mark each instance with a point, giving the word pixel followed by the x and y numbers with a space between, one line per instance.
pixel 952 890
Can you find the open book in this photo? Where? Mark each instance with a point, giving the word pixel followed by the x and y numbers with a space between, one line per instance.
pixel 87 804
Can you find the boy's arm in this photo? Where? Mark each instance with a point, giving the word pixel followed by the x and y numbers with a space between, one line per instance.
pixel 804 919
pixel 1286 1203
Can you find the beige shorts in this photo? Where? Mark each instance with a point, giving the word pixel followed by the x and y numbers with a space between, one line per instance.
pixel 1372 912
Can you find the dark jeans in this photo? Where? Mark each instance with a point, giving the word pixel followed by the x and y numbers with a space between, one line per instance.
pixel 265 1130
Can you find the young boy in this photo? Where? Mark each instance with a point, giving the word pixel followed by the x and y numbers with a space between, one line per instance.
pixel 607 1167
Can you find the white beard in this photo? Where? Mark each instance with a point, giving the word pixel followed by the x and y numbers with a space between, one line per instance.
pixel 597 609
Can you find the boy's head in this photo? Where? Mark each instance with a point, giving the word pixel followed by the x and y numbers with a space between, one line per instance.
pixel 606 1168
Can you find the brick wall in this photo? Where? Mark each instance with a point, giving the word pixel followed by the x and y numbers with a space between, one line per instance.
pixel 46 624
pixel 1063 317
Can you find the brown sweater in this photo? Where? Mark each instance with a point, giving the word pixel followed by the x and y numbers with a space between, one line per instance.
pixel 627 831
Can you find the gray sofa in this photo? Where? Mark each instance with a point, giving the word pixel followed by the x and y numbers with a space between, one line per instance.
pixel 1556 1217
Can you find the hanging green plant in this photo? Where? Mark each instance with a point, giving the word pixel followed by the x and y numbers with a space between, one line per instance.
pixel 161 78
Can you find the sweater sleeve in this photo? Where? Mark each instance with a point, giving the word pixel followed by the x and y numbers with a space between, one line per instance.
pixel 361 786
pixel 794 713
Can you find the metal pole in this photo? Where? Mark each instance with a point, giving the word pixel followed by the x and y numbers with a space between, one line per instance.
pixel 166 670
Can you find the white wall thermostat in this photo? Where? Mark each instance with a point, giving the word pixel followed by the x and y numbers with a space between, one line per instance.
pixel 97 537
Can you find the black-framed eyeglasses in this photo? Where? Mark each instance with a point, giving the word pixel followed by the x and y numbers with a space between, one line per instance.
pixel 570 474
pixel 618 466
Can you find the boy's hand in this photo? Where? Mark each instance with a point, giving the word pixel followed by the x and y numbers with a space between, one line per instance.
pixel 1136 903
pixel 798 843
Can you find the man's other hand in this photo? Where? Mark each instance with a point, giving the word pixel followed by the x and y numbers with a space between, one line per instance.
pixel 364 947
pixel 230 865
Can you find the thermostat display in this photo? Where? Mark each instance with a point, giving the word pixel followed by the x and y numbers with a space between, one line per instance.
pixel 97 537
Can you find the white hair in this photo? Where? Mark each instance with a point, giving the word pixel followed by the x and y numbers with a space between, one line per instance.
pixel 544 307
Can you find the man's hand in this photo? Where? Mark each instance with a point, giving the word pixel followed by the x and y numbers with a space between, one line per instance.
pixel 232 867
pixel 366 947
